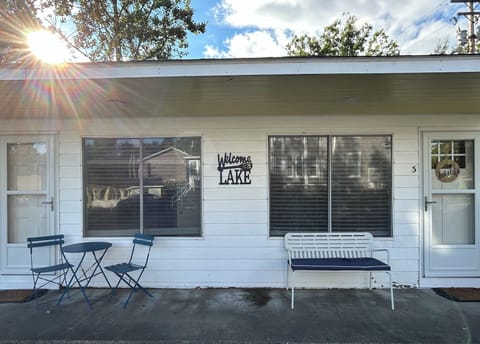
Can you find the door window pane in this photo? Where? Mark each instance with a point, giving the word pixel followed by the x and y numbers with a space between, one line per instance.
pixel 452 164
pixel 27 166
pixel 27 216
pixel 453 219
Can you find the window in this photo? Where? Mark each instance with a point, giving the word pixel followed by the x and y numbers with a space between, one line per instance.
pixel 342 183
pixel 149 185
pixel 455 150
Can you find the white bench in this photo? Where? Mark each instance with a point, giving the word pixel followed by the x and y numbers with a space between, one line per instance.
pixel 333 252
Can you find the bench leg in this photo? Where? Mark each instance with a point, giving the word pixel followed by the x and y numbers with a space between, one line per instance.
pixel 293 290
pixel 288 268
pixel 391 290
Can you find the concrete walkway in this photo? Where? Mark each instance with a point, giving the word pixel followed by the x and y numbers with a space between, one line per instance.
pixel 245 316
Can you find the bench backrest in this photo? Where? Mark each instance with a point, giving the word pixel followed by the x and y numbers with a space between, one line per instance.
pixel 329 245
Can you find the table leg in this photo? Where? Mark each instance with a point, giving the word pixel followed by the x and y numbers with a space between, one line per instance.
pixel 74 276
pixel 98 266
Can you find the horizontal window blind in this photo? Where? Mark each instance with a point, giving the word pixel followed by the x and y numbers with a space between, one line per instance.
pixel 360 192
pixel 362 184
pixel 142 185
pixel 172 186
pixel 110 181
pixel 298 184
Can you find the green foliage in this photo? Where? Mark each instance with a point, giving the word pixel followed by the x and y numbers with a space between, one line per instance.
pixel 119 30
pixel 344 39
pixel 17 17
pixel 444 48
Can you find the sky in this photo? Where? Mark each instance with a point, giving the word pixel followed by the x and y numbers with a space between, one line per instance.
pixel 262 28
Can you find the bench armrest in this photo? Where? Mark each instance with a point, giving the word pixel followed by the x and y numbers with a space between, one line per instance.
pixel 383 250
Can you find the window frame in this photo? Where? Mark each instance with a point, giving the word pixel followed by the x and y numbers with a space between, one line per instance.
pixel 118 233
pixel 329 178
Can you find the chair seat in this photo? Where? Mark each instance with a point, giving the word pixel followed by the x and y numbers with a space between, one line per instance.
pixel 52 268
pixel 123 268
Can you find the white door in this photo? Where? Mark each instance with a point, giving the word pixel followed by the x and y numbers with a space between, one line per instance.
pixel 26 198
pixel 451 204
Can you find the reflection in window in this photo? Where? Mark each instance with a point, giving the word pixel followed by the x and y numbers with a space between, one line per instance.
pixel 27 164
pixel 148 185
pixel 461 152
pixel 455 150
pixel 359 197
pixel 299 200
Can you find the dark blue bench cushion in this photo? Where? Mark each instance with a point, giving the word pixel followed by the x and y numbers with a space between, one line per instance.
pixel 337 264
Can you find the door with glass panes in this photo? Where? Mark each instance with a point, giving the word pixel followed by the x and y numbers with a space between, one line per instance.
pixel 450 204
pixel 27 203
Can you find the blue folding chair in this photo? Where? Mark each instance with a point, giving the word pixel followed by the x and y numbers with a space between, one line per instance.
pixel 124 270
pixel 47 274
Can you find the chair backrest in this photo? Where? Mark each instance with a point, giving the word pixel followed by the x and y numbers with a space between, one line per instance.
pixel 44 241
pixel 142 240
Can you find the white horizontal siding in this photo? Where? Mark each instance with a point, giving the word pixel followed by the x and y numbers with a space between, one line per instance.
pixel 213 182
pixel 405 169
pixel 255 192
pixel 212 206
pixel 235 248
pixel 235 217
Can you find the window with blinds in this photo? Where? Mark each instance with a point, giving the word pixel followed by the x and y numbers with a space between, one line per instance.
pixel 149 185
pixel 330 183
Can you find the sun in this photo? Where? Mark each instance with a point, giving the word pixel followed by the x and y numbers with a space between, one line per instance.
pixel 47 47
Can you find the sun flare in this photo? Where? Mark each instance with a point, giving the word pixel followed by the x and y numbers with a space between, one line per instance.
pixel 47 47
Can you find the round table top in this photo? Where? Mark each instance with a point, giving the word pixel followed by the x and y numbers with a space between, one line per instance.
pixel 87 246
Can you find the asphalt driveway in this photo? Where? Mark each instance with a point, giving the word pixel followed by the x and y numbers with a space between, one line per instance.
pixel 245 316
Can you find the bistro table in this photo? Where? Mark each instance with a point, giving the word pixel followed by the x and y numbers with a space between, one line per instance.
pixel 91 271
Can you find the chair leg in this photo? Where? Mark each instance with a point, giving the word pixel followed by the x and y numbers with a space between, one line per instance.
pixel 137 285
pixel 65 283
pixel 114 289
pixel 133 284
pixel 34 290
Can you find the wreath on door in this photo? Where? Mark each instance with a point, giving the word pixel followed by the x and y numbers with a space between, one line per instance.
pixel 447 170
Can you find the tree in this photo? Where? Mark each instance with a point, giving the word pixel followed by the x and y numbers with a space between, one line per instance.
pixel 17 18
pixel 344 39
pixel 462 45
pixel 118 30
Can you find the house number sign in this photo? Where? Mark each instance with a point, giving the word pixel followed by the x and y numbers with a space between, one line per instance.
pixel 234 169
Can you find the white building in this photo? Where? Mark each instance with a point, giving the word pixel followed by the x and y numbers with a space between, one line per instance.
pixel 219 158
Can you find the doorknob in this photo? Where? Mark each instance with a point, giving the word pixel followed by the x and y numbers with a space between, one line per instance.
pixel 427 202
pixel 49 202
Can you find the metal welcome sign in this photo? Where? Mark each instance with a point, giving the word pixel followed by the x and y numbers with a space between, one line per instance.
pixel 234 169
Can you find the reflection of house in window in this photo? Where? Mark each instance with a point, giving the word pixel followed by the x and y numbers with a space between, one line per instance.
pixel 353 164
pixel 375 178
pixel 171 165
pixel 193 170
pixel 295 166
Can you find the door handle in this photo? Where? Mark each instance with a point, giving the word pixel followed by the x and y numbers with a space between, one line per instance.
pixel 427 202
pixel 49 202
